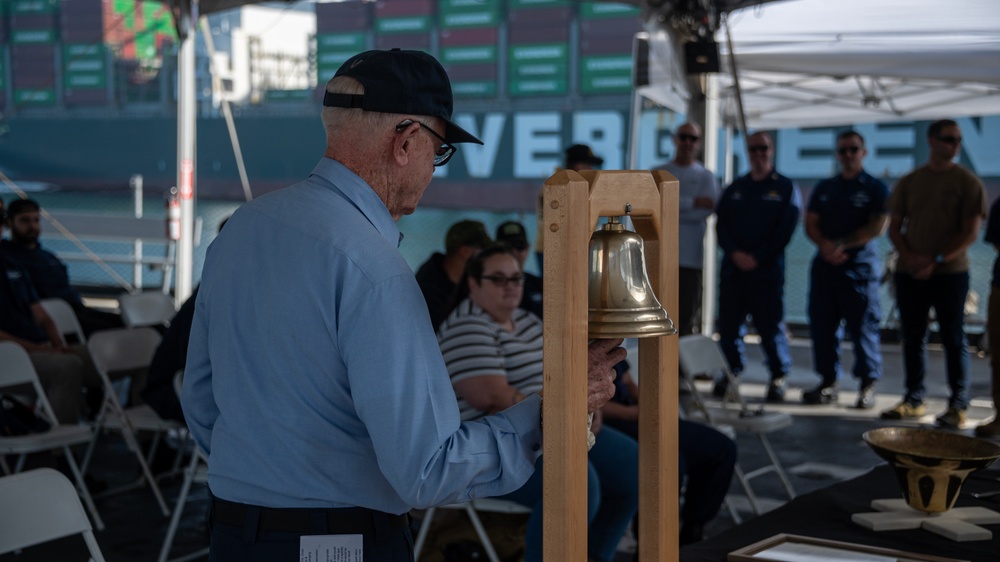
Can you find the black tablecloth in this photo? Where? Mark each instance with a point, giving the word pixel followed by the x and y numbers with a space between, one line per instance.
pixel 827 514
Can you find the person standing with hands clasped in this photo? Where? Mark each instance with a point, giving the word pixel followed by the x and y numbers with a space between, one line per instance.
pixel 757 215
pixel 846 213
pixel 314 380
pixel 935 215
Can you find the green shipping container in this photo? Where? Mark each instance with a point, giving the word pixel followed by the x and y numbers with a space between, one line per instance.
pixel 475 89
pixel 522 4
pixel 85 81
pixel 32 6
pixel 462 20
pixel 471 54
pixel 553 86
pixel 408 24
pixel 598 10
pixel 354 42
pixel 32 36
pixel 39 96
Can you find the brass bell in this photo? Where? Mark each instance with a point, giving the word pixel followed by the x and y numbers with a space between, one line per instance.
pixel 620 298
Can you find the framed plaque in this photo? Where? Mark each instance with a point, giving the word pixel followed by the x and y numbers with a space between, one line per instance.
pixel 798 548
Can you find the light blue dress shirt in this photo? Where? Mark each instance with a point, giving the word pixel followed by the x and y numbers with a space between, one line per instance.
pixel 314 378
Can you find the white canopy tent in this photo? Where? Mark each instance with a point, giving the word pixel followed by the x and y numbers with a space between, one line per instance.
pixel 812 63
pixel 805 63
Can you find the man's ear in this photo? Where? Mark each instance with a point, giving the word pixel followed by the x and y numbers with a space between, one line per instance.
pixel 404 142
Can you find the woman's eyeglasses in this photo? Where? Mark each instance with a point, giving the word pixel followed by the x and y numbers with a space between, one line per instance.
pixel 443 152
pixel 503 281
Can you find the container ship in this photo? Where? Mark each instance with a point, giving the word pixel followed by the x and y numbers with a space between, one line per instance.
pixel 88 89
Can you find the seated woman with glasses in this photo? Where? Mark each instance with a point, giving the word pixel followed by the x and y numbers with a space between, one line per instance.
pixel 493 351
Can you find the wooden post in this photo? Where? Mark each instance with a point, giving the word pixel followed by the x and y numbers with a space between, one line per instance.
pixel 573 202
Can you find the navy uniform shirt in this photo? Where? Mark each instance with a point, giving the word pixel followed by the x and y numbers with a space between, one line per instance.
pixel 16 297
pixel 844 206
pixel 758 217
pixel 49 274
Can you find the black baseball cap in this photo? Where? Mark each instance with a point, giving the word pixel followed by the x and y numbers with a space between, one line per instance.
pixel 582 153
pixel 466 233
pixel 512 233
pixel 398 81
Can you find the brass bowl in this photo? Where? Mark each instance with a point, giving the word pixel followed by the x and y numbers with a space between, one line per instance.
pixel 930 465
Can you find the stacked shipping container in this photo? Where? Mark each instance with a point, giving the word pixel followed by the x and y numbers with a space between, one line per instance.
pixel 62 51
pixel 539 47
pixel 468 34
pixel 606 32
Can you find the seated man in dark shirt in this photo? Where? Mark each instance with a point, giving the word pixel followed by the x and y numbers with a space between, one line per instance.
pixel 169 358
pixel 62 370
pixel 48 273
pixel 439 275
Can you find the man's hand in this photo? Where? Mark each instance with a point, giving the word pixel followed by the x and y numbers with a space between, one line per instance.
pixel 704 203
pixel 919 266
pixel 832 253
pixel 744 261
pixel 602 356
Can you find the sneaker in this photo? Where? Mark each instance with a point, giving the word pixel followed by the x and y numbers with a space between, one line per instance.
pixel 953 418
pixel 776 390
pixel 991 429
pixel 904 411
pixel 822 394
pixel 866 395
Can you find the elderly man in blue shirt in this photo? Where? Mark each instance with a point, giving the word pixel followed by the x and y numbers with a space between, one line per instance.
pixel 314 380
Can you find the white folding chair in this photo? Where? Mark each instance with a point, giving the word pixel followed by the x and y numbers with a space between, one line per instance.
pixel 700 354
pixel 18 370
pixel 128 349
pixel 492 505
pixel 39 506
pixel 196 471
pixel 65 318
pixel 149 308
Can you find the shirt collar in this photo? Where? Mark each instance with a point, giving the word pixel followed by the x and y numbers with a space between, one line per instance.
pixel 339 178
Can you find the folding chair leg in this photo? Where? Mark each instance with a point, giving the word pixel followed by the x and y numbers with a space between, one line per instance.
pixel 3 464
pixel 425 527
pixel 481 533
pixel 133 444
pixel 745 483
pixel 175 519
pixel 81 487
pixel 734 515
pixel 785 482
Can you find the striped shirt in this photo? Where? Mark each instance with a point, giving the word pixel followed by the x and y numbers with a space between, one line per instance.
pixel 474 345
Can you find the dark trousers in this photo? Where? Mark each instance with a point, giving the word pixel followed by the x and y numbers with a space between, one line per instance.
pixel 946 293
pixel 839 294
pixel 241 532
pixel 993 340
pixel 759 294
pixel 689 301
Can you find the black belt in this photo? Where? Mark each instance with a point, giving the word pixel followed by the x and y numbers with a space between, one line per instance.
pixel 346 520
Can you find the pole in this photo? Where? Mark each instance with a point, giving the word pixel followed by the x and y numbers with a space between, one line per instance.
pixel 136 183
pixel 186 137
pixel 710 244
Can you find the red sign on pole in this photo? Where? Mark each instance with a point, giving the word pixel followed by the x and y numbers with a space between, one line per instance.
pixel 187 179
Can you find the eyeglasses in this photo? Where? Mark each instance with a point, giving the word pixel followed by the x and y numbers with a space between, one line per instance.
pixel 684 137
pixel 950 139
pixel 844 150
pixel 443 152
pixel 502 281
pixel 759 148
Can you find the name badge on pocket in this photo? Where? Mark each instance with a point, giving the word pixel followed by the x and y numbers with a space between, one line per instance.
pixel 331 548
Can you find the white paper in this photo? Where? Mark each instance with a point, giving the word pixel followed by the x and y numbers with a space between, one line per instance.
pixel 800 552
pixel 331 548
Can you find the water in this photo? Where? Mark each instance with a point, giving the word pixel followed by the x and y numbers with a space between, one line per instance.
pixel 424 233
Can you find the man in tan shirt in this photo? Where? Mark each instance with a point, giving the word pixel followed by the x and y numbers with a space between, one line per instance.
pixel 936 211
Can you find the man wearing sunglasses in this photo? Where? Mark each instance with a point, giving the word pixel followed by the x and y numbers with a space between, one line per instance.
pixel 314 380
pixel 699 190
pixel 935 215
pixel 757 215
pixel 845 215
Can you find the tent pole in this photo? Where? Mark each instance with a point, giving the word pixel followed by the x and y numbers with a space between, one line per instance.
pixel 186 137
pixel 711 161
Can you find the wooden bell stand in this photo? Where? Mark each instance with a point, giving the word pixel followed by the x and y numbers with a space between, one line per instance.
pixel 573 202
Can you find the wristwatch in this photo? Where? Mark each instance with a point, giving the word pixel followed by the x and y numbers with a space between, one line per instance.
pixel 939 259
